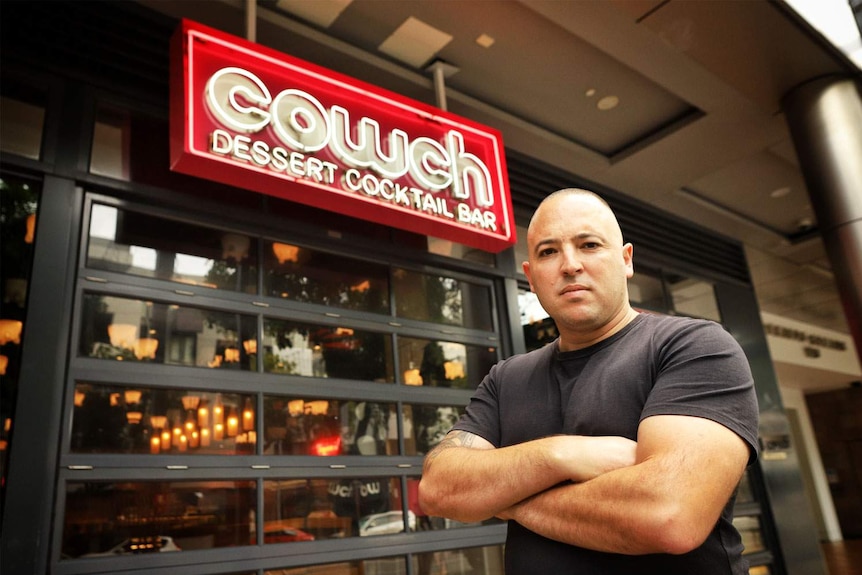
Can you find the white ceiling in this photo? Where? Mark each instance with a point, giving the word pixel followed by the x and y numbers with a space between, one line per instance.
pixel 697 129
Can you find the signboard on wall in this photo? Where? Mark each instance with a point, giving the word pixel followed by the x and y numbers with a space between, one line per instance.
pixel 254 118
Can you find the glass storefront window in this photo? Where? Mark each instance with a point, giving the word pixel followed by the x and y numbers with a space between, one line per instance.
pixel 426 425
pixel 538 327
pixel 19 203
pixel 693 297
pixel 21 125
pixel 110 152
pixel 307 275
pixel 387 566
pixel 751 531
pixel 470 561
pixel 334 508
pixel 441 299
pixel 148 246
pixel 452 249
pixel 140 420
pixel 326 427
pixel 323 351
pixel 443 363
pixel 134 517
pixel 137 330
pixel 646 290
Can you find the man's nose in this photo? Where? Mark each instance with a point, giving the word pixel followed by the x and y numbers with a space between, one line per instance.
pixel 571 262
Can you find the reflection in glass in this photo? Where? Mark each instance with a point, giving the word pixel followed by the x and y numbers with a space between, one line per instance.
pixel 110 153
pixel 441 299
pixel 143 245
pixel 335 508
pixel 387 565
pixel 326 427
pixel 752 533
pixel 114 419
pixel 471 561
pixel 21 127
pixel 646 290
pixel 539 329
pixel 443 363
pixel 693 297
pixel 19 203
pixel 323 351
pixel 136 330
pixel 104 519
pixel 426 425
pixel 308 275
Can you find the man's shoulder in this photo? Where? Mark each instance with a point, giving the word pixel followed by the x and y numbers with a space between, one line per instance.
pixel 529 360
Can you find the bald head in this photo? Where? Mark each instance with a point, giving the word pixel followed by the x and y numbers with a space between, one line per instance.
pixel 569 202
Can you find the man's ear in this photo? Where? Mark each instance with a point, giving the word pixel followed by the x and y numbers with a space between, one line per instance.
pixel 526 268
pixel 628 260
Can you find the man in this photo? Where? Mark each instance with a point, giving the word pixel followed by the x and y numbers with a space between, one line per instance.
pixel 618 448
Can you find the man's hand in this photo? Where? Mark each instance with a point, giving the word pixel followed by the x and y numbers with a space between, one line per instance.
pixel 467 479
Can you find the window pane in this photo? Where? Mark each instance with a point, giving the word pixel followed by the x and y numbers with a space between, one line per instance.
pixel 307 275
pixel 472 561
pixel 752 533
pixel 443 363
pixel 19 203
pixel 693 297
pixel 646 290
pixel 539 328
pixel 148 246
pixel 114 419
pixel 442 299
pixel 335 508
pixel 109 155
pixel 322 351
pixel 21 127
pixel 452 249
pixel 426 425
pixel 324 427
pixel 109 519
pixel 136 330
pixel 385 566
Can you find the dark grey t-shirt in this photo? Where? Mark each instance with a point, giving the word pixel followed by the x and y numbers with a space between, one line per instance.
pixel 656 365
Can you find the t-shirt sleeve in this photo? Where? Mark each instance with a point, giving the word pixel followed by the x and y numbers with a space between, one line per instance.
pixel 702 371
pixel 482 416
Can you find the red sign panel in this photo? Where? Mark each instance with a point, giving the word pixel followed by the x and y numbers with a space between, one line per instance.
pixel 251 117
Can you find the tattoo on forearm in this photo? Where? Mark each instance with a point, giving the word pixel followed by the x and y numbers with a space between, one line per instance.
pixel 452 439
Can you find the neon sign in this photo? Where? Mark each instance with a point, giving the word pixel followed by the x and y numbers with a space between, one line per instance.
pixel 254 118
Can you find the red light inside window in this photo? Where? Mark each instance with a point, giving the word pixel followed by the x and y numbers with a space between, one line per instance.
pixel 325 446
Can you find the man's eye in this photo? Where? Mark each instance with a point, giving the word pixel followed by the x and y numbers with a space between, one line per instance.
pixel 547 252
pixel 590 245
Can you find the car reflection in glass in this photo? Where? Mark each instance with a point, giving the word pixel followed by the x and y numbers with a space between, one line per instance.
pixel 385 523
pixel 160 544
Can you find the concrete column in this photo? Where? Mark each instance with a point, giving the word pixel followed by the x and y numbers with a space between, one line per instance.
pixel 825 120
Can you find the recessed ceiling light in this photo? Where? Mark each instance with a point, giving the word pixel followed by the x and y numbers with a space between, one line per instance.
pixel 590 93
pixel 323 13
pixel 485 41
pixel 779 192
pixel 608 103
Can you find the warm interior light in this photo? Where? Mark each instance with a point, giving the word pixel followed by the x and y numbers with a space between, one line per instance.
pixel 31 229
pixel 132 396
pixel 123 335
pixel 318 407
pixel 4 361
pixel 114 399
pixel 231 354
pixel 454 369
pixel 134 417
pixel 190 402
pixel 412 377
pixel 218 411
pixel 10 331
pixel 250 346
pixel 203 414
pixel 79 398
pixel 326 446
pixel 158 421
pixel 247 416
pixel 295 407
pixel 285 252
pixel 232 423
pixel 361 286
pixel 145 348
